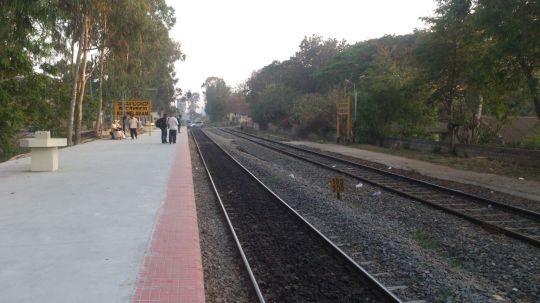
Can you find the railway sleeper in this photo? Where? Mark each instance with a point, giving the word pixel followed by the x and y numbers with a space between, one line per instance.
pixel 397 287
pixel 524 228
pixel 471 209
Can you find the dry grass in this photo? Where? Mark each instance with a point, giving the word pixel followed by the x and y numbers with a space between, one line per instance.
pixel 476 164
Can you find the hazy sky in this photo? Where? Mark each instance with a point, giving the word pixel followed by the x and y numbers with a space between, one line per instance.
pixel 232 38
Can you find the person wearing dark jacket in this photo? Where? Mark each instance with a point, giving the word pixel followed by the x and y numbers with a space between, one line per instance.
pixel 162 124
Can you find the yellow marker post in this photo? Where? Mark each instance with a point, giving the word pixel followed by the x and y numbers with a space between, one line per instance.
pixel 338 186
pixel 343 119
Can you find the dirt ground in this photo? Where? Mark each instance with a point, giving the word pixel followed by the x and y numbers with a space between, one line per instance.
pixel 512 183
pixel 476 164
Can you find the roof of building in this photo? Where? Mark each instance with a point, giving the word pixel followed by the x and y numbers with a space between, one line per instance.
pixel 516 129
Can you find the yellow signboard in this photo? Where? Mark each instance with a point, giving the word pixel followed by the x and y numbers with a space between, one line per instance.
pixel 135 108
pixel 337 185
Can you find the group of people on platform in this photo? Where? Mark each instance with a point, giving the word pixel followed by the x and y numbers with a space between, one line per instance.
pixel 169 126
pixel 170 123
pixel 118 131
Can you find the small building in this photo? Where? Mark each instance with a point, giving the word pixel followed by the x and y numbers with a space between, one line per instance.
pixel 515 130
pixel 239 119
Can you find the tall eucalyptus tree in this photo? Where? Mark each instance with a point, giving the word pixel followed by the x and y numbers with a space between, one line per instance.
pixel 216 95
pixel 513 26
pixel 443 55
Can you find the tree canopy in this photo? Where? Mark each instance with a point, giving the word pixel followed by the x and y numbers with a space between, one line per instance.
pixel 476 57
pixel 89 53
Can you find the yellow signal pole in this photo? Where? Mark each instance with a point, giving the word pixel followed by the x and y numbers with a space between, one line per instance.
pixel 343 110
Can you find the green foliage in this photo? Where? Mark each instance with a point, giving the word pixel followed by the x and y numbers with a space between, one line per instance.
pixel 350 63
pixel 274 104
pixel 488 136
pixel 530 142
pixel 272 90
pixel 391 102
pixel 444 56
pixel 514 28
pixel 353 61
pixel 23 26
pixel 37 101
pixel 425 240
pixel 314 53
pixel 216 93
pixel 44 100
pixel 190 101
pixel 11 120
pixel 477 57
pixel 133 34
pixel 140 64
pixel 315 113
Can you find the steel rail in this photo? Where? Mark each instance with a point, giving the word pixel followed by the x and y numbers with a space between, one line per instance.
pixel 238 245
pixel 524 212
pixel 532 214
pixel 367 277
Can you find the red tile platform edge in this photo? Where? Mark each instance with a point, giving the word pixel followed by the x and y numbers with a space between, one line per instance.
pixel 172 270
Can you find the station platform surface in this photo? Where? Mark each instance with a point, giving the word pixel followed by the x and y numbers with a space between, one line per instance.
pixel 116 223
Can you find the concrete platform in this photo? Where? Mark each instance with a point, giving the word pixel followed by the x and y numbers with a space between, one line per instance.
pixel 116 223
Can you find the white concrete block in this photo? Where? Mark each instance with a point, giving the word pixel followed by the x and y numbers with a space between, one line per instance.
pixel 44 159
pixel 44 150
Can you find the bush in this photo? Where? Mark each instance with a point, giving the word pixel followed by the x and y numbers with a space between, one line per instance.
pixel 487 136
pixel 530 142
pixel 314 113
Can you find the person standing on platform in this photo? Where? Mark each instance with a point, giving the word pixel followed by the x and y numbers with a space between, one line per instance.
pixel 162 124
pixel 133 124
pixel 172 123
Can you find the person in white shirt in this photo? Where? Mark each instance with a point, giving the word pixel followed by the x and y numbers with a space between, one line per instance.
pixel 133 124
pixel 172 123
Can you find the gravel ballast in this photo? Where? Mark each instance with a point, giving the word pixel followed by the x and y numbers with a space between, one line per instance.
pixel 427 254
pixel 225 279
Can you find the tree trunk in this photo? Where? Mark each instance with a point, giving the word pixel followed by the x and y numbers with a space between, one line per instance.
pixel 101 67
pixel 477 119
pixel 451 88
pixel 536 101
pixel 74 90
pixel 533 88
pixel 532 84
pixel 72 59
pixel 83 80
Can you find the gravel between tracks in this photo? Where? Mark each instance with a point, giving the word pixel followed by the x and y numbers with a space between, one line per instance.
pixel 225 279
pixel 421 171
pixel 438 257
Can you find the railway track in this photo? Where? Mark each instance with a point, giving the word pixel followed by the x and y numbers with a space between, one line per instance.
pixel 513 221
pixel 287 259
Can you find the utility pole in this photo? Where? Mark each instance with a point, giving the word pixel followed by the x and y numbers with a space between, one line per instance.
pixel 355 102
pixel 344 111
pixel 355 123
